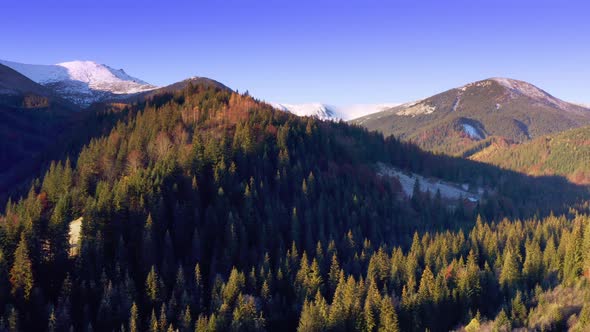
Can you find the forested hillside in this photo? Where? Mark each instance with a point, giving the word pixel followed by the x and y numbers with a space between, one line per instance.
pixel 566 154
pixel 206 210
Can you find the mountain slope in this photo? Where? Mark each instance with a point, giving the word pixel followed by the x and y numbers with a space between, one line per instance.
pixel 82 82
pixel 566 154
pixel 455 120
pixel 18 91
pixel 14 83
pixel 32 120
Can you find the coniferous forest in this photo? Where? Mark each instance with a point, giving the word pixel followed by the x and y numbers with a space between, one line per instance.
pixel 202 209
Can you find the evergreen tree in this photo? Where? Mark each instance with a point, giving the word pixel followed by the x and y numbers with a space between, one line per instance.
pixel 21 274
pixel 573 264
pixel 519 311
pixel 387 316
pixel 134 319
pixel 153 326
pixel 502 323
pixel 152 286
pixel 510 274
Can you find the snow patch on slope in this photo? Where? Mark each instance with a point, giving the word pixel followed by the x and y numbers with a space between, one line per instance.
pixel 74 235
pixel 471 131
pixel 417 108
pixel 407 180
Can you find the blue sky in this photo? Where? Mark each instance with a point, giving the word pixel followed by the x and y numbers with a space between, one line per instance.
pixel 338 52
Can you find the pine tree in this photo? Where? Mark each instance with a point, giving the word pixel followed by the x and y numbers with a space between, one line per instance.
pixel 134 319
pixel 313 280
pixel 153 327
pixel 265 291
pixel 573 263
pixel 198 287
pixel 3 278
pixel 152 286
pixel 21 274
pixel 163 319
pixel 510 274
pixel 202 324
pixel 212 323
pixel 187 319
pixel 502 322
pixel 387 316
pixel 519 311
pixel 427 286
pixel 532 266
pixel 244 316
pixel 586 247
pixel 334 274
pixel 232 289
pixel 311 319
pixel 371 307
pixel 52 321
pixel 148 252
pixel 13 323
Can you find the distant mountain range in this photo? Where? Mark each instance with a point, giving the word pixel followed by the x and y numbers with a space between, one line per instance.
pixel 461 120
pixel 82 82
pixel 331 112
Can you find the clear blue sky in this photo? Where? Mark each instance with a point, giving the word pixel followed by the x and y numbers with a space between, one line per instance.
pixel 339 52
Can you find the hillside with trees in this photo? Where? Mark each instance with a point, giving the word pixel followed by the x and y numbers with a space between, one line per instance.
pixel 566 154
pixel 202 209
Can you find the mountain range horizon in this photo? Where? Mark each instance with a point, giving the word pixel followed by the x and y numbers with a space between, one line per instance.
pixel 85 72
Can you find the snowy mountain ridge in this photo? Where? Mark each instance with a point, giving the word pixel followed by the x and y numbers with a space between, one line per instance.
pixel 331 112
pixel 319 110
pixel 82 82
pixel 531 91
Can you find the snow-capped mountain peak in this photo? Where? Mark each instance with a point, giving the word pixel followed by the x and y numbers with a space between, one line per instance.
pixel 521 88
pixel 82 82
pixel 94 73
pixel 319 110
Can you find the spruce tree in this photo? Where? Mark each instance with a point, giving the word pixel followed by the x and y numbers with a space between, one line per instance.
pixel 134 324
pixel 21 274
